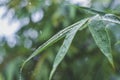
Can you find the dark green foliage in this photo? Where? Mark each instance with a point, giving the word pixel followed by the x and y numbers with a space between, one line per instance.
pixel 95 33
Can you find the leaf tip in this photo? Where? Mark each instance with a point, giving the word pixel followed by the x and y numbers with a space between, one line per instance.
pixel 111 62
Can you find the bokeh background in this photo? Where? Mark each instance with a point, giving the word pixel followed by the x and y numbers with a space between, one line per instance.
pixel 26 24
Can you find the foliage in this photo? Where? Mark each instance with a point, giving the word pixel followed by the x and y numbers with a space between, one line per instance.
pixel 84 60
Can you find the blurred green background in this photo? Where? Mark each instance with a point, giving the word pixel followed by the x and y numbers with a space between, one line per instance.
pixel 40 20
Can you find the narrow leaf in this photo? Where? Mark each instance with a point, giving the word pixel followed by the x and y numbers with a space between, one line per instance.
pixel 52 40
pixel 100 35
pixel 90 10
pixel 65 46
pixel 111 18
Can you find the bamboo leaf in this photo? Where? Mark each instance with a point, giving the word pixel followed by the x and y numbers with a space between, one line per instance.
pixel 52 40
pixel 111 18
pixel 100 35
pixel 65 46
pixel 89 10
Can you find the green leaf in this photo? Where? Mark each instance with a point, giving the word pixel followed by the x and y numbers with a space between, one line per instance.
pixel 65 46
pixel 89 10
pixel 111 18
pixel 52 40
pixel 101 37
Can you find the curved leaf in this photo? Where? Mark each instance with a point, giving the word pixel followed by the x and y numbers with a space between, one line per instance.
pixel 111 18
pixel 52 40
pixel 100 35
pixel 65 46
pixel 90 10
